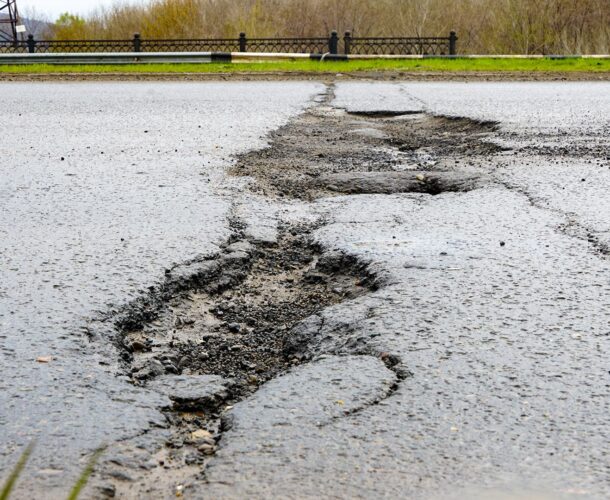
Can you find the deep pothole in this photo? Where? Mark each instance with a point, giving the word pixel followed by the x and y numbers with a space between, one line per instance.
pixel 212 333
pixel 232 316
pixel 328 151
pixel 383 114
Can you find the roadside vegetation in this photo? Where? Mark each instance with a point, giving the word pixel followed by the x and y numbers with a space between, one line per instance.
pixel 9 484
pixel 483 26
pixel 308 66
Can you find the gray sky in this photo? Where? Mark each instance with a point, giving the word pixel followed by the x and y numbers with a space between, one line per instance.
pixel 53 8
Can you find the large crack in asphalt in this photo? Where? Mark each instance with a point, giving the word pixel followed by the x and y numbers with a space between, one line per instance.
pixel 218 328
pixel 569 227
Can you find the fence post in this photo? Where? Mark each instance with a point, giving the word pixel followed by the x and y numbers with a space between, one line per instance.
pixel 137 42
pixel 347 42
pixel 242 42
pixel 31 44
pixel 453 43
pixel 333 43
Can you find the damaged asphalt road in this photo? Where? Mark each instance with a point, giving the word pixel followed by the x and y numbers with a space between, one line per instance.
pixel 328 151
pixel 494 302
pixel 409 299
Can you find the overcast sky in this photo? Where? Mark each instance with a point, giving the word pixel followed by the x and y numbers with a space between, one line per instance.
pixel 53 8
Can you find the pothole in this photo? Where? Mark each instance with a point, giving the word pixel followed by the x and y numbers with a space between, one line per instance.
pixel 212 333
pixel 328 151
pixel 218 328
pixel 235 325
pixel 396 182
pixel 383 114
pixel 448 136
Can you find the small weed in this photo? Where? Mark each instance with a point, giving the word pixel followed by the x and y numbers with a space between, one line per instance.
pixel 85 475
pixel 16 472
pixel 18 469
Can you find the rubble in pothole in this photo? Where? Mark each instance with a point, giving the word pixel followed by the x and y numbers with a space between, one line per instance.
pixel 212 333
pixel 328 151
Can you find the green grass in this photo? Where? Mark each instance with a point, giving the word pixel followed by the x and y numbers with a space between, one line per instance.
pixel 9 484
pixel 308 66
pixel 85 475
pixel 16 472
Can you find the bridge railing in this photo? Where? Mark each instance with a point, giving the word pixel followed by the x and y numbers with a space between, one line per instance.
pixel 313 45
pixel 438 46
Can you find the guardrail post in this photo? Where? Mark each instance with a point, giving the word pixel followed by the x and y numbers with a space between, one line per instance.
pixel 137 42
pixel 453 43
pixel 242 42
pixel 347 42
pixel 333 43
pixel 31 44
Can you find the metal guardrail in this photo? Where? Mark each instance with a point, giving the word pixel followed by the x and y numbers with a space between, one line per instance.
pixel 315 45
pixel 228 57
pixel 115 58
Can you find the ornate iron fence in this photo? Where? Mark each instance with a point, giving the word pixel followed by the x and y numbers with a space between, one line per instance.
pixel 82 46
pixel 71 46
pixel 287 45
pixel 320 45
pixel 194 45
pixel 13 47
pixel 401 46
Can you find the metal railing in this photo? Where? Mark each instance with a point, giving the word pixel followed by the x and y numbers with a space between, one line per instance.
pixel 192 45
pixel 287 45
pixel 437 46
pixel 319 45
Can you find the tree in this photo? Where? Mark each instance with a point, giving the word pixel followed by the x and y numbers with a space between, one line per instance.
pixel 70 27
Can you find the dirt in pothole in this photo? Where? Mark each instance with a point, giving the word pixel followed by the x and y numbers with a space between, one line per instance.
pixel 237 330
pixel 211 335
pixel 329 151
pixel 235 323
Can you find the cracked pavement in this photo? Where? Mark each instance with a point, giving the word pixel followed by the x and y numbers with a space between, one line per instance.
pixel 493 311
pixel 499 315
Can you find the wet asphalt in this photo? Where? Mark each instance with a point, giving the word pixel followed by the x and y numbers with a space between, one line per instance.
pixel 495 301
pixel 103 187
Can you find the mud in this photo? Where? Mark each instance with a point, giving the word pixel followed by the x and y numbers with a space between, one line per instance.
pixel 329 151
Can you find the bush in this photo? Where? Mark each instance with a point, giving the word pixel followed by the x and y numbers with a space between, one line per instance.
pixel 484 26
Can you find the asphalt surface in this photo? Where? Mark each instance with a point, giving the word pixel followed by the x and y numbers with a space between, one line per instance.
pixel 495 302
pixel 103 187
